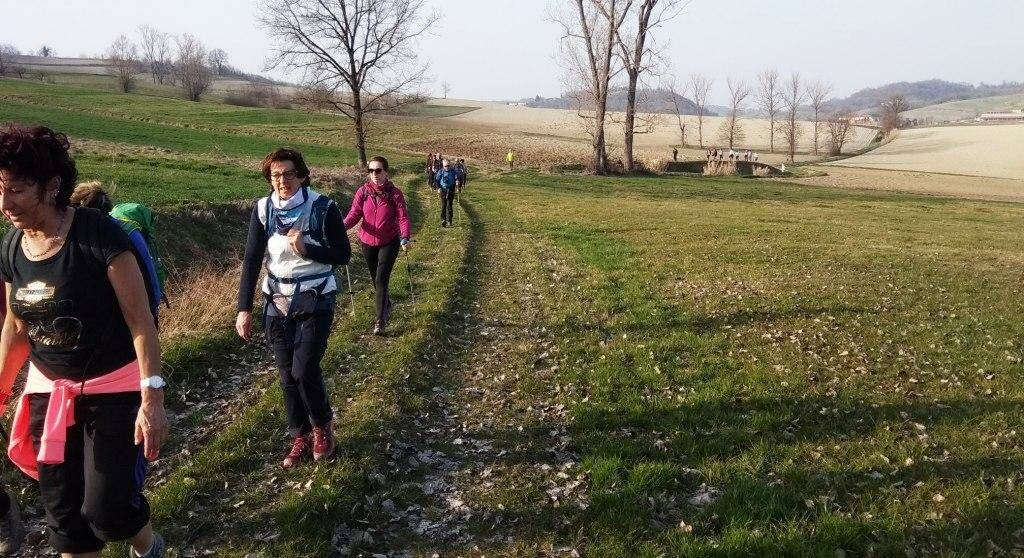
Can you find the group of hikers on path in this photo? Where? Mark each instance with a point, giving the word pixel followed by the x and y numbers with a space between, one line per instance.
pixel 447 179
pixel 82 296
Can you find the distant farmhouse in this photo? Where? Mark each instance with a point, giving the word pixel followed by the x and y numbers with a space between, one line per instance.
pixel 1008 116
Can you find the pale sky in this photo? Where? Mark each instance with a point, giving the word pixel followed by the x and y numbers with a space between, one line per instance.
pixel 504 49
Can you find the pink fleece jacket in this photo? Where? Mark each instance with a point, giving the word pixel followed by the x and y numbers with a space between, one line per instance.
pixel 60 413
pixel 382 211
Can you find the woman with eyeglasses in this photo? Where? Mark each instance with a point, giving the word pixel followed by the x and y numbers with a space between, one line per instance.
pixel 298 234
pixel 380 205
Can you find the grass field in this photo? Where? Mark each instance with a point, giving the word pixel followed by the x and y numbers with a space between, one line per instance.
pixel 602 366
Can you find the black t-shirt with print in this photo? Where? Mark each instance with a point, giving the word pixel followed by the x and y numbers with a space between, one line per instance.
pixel 75 324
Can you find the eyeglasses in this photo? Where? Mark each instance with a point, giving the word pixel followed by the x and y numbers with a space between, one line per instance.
pixel 287 175
pixel 377 170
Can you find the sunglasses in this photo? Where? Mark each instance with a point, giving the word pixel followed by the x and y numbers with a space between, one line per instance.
pixel 377 170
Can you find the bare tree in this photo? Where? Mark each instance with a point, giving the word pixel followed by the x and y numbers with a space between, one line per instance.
pixel 588 43
pixel 45 51
pixel 838 127
pixel 769 98
pixel 793 95
pixel 7 54
pixel 367 49
pixel 732 132
pixel 638 52
pixel 445 88
pixel 123 62
pixel 156 52
pixel 817 93
pixel 892 108
pixel 218 58
pixel 700 86
pixel 676 104
pixel 190 68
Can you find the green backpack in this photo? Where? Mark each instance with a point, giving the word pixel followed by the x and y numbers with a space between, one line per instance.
pixel 138 217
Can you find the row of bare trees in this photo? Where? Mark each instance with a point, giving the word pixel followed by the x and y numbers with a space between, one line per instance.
pixel 182 60
pixel 600 39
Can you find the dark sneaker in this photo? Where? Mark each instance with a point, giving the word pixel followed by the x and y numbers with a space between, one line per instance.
pixel 323 442
pixel 156 552
pixel 378 328
pixel 12 530
pixel 300 448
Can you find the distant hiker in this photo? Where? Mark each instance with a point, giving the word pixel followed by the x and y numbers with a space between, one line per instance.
pixel 298 235
pixel 385 229
pixel 91 194
pixel 429 169
pixel 447 179
pixel 510 159
pixel 463 170
pixel 755 157
pixel 675 154
pixel 92 410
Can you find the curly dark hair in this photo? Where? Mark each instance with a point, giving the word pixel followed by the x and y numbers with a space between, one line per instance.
pixel 39 154
pixel 286 154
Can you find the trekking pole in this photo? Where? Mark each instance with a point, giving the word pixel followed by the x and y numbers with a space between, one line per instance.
pixel 351 295
pixel 408 272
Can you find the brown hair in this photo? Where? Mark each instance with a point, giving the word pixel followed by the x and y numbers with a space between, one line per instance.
pixel 286 154
pixel 39 154
pixel 378 159
pixel 91 194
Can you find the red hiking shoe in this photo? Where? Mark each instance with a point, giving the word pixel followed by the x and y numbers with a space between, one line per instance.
pixel 323 441
pixel 300 448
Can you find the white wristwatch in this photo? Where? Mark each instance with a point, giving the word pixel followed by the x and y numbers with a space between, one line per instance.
pixel 154 382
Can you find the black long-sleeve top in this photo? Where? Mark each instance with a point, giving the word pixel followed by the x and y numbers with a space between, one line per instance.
pixel 337 252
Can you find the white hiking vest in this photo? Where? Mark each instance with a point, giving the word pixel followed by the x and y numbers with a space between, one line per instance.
pixel 288 272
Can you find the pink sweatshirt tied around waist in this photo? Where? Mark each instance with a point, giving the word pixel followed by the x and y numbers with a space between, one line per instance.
pixel 60 413
pixel 384 216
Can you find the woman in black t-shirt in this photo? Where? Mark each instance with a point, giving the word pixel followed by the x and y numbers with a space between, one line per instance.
pixel 78 312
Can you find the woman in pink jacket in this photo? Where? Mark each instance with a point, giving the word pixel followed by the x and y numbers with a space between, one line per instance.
pixel 380 206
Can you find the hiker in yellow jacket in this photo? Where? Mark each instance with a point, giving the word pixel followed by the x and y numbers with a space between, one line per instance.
pixel 511 158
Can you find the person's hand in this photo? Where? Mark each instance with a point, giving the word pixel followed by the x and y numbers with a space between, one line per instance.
pixel 296 242
pixel 151 428
pixel 243 325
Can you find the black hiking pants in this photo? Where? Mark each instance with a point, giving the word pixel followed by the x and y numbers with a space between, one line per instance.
pixel 299 343
pixel 447 202
pixel 380 261
pixel 95 495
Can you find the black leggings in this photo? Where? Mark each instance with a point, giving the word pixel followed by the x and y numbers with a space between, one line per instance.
pixel 447 199
pixel 380 260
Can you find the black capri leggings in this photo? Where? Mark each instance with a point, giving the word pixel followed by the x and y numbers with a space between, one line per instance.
pixel 380 260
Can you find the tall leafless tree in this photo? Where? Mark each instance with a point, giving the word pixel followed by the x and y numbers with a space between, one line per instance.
pixel 838 127
pixel 732 132
pixel 190 67
pixel 769 98
pixel 638 52
pixel 123 62
pixel 793 95
pixel 676 104
pixel 445 88
pixel 156 52
pixel 7 54
pixel 587 46
pixel 364 52
pixel 700 87
pixel 218 59
pixel 892 108
pixel 817 94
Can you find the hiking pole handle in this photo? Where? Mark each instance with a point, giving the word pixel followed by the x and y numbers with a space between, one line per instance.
pixel 351 295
